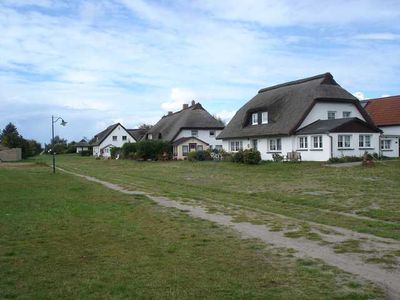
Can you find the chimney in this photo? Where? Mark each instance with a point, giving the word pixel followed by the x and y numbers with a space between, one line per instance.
pixel 169 113
pixel 185 105
pixel 193 102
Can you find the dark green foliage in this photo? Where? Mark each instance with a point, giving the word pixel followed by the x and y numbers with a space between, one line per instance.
pixel 199 155
pixel 238 157
pixel 248 156
pixel 149 149
pixel 251 156
pixel 345 159
pixel 129 150
pixel 115 151
pixel 71 148
pixel 10 137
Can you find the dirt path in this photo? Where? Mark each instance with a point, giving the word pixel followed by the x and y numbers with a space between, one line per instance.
pixel 389 280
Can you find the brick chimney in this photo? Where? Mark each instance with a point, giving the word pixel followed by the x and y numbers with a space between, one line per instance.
pixel 185 105
pixel 169 113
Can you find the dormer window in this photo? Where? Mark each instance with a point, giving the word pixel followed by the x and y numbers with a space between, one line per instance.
pixel 259 118
pixel 264 117
pixel 254 119
pixel 149 136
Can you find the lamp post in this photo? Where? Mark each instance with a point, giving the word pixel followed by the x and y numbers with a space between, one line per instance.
pixel 53 121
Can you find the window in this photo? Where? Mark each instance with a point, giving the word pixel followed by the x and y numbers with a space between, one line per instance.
pixel 218 147
pixel 149 136
pixel 195 132
pixel 185 150
pixel 114 137
pixel 275 145
pixel 344 141
pixel 346 114
pixel 254 119
pixel 331 115
pixel 386 144
pixel 264 117
pixel 236 146
pixel 317 142
pixel 199 147
pixel 255 144
pixel 124 137
pixel 212 132
pixel 364 141
pixel 303 142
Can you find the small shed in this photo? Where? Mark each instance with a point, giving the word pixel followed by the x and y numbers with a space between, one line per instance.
pixel 83 145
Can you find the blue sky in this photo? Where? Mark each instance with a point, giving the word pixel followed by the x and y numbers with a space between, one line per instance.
pixel 99 62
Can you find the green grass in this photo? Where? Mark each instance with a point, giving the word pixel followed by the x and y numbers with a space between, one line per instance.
pixel 62 237
pixel 307 191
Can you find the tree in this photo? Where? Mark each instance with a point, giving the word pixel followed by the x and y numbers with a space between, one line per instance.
pixel 145 126
pixel 10 137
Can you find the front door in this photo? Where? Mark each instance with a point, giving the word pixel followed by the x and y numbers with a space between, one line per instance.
pixel 192 147
pixel 255 144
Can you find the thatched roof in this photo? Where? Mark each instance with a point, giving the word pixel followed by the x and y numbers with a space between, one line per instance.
pixel 82 143
pixel 137 134
pixel 101 136
pixel 287 105
pixel 192 117
pixel 338 125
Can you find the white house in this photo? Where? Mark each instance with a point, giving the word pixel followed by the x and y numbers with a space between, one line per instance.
pixel 385 112
pixel 113 136
pixel 83 145
pixel 189 129
pixel 314 117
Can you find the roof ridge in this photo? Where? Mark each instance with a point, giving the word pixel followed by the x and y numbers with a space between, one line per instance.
pixel 382 98
pixel 326 75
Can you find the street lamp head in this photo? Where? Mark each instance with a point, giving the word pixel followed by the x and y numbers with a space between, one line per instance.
pixel 63 123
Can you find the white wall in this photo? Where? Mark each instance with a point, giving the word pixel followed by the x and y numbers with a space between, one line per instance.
pixel 392 133
pixel 203 134
pixel 320 112
pixel 355 150
pixel 119 132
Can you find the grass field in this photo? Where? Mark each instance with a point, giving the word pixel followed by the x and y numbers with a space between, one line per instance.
pixel 64 238
pixel 304 191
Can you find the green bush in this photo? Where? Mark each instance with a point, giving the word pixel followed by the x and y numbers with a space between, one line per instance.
pixel 199 155
pixel 153 149
pixel 129 150
pixel 238 157
pixel 345 159
pixel 251 156
pixel 115 151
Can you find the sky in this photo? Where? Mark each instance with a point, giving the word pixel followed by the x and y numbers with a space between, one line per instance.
pixel 98 62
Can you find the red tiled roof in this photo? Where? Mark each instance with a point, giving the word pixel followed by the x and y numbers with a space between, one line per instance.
pixel 384 111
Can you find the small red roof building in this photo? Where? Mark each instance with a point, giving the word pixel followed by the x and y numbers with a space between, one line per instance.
pixel 384 111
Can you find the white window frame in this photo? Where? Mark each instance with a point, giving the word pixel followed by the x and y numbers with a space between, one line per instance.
pixel 236 146
pixel 194 132
pixel 386 144
pixel 331 112
pixel 303 142
pixel 344 141
pixel 318 142
pixel 264 117
pixel 346 113
pixel 254 119
pixel 115 138
pixel 185 153
pixel 124 137
pixel 275 145
pixel 364 141
pixel 199 147
pixel 149 136
pixel 212 133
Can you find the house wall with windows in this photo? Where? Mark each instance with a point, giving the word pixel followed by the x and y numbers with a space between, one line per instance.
pixel 390 141
pixel 354 144
pixel 202 134
pixel 181 150
pixel 321 109
pixel 116 138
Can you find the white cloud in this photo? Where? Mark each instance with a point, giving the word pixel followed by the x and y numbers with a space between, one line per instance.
pixel 360 96
pixel 178 97
pixel 225 115
pixel 385 36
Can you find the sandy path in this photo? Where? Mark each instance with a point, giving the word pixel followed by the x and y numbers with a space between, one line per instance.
pixel 389 280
